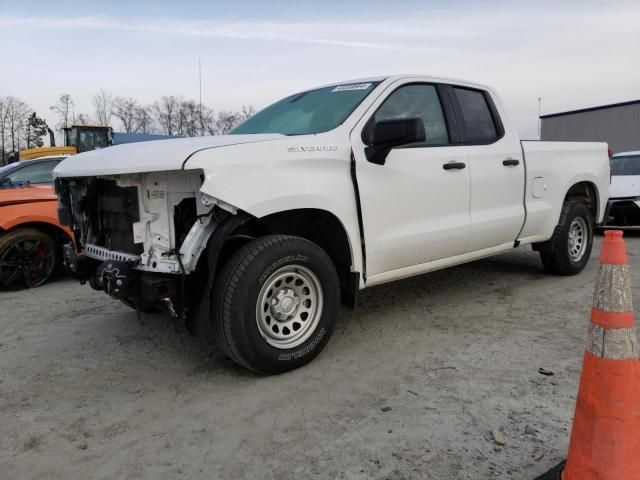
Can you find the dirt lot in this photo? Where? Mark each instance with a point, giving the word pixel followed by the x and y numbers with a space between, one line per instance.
pixel 410 386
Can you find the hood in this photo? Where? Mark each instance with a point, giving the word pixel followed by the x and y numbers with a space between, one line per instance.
pixel 624 186
pixel 12 196
pixel 151 156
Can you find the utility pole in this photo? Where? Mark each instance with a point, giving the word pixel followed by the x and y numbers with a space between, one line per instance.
pixel 200 94
pixel 539 119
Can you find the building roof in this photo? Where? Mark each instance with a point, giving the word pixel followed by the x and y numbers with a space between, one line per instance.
pixel 591 109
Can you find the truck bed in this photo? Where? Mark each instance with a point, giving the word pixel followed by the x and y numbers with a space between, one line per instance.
pixel 551 169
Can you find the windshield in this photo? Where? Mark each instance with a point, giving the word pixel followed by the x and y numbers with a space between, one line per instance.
pixel 91 139
pixel 6 168
pixel 315 111
pixel 627 165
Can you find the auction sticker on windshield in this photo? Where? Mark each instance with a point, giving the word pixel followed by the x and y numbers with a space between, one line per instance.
pixel 352 86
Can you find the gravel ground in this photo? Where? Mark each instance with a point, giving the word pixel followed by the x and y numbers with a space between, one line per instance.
pixel 410 386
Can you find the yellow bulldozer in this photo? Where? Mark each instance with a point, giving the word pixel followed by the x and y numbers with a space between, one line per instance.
pixel 77 139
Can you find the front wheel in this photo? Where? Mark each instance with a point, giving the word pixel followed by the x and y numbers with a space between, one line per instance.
pixel 275 303
pixel 568 251
pixel 27 258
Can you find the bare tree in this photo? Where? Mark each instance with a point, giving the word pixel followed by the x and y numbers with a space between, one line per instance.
pixel 17 112
pixel 207 121
pixel 190 118
pixel 180 119
pixel 246 113
pixel 3 128
pixel 64 110
pixel 226 121
pixel 171 115
pixel 124 109
pixel 166 112
pixel 143 119
pixel 82 119
pixel 102 107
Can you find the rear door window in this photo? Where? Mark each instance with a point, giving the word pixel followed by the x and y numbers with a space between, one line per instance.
pixel 477 121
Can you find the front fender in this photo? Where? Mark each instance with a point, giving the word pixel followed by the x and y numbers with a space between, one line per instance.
pixel 263 187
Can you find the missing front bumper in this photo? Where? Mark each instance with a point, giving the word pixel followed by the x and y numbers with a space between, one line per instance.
pixel 118 278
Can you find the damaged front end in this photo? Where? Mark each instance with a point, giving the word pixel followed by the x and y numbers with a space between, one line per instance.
pixel 138 236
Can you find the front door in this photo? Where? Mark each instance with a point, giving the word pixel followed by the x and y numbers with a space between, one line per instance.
pixel 415 207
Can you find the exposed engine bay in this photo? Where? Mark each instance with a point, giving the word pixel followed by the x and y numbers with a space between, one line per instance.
pixel 139 235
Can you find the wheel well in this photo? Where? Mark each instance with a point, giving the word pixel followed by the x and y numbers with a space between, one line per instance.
pixel 56 233
pixel 318 226
pixel 587 193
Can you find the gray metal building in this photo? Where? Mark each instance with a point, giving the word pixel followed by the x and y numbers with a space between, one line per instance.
pixel 617 124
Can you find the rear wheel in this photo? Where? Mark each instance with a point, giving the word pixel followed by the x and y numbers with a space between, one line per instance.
pixel 568 251
pixel 275 303
pixel 27 258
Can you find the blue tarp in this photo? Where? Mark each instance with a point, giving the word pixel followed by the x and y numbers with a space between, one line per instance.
pixel 121 137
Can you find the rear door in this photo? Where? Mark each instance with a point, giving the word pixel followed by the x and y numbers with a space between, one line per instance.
pixel 415 207
pixel 496 167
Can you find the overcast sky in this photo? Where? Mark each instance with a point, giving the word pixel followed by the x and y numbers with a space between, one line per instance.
pixel 572 54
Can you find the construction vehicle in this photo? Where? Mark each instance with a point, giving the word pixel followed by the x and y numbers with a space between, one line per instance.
pixel 84 138
pixel 77 139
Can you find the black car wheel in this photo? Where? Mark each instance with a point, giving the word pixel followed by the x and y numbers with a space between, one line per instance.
pixel 27 258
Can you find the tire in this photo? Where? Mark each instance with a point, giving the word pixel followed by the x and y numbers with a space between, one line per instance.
pixel 28 257
pixel 562 256
pixel 264 290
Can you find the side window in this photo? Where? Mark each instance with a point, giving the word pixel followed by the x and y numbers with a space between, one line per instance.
pixel 417 101
pixel 38 173
pixel 479 126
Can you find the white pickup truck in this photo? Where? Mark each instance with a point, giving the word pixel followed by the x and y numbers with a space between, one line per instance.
pixel 255 237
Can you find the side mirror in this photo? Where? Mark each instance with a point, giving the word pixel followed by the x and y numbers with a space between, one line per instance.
pixel 382 136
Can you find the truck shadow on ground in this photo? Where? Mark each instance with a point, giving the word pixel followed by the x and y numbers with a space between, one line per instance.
pixel 475 278
pixel 465 283
pixel 117 336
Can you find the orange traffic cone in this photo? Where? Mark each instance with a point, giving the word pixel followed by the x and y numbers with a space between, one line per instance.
pixel 605 440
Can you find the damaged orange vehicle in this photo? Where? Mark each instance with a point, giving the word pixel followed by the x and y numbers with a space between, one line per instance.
pixel 31 238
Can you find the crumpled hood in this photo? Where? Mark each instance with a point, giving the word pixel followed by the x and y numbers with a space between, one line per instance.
pixel 624 186
pixel 150 156
pixel 12 196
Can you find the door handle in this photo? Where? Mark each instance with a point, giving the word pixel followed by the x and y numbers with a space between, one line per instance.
pixel 454 165
pixel 510 162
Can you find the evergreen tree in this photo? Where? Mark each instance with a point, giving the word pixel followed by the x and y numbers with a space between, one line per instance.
pixel 35 129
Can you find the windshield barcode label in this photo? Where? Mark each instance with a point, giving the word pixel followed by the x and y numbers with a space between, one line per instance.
pixel 353 86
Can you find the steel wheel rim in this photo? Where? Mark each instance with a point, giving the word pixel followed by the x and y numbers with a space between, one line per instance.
pixel 577 244
pixel 289 306
pixel 26 264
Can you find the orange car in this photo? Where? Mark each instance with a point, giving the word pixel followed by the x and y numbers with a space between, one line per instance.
pixel 31 238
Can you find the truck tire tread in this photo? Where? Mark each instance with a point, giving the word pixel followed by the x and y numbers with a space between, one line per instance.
pixel 229 285
pixel 555 257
